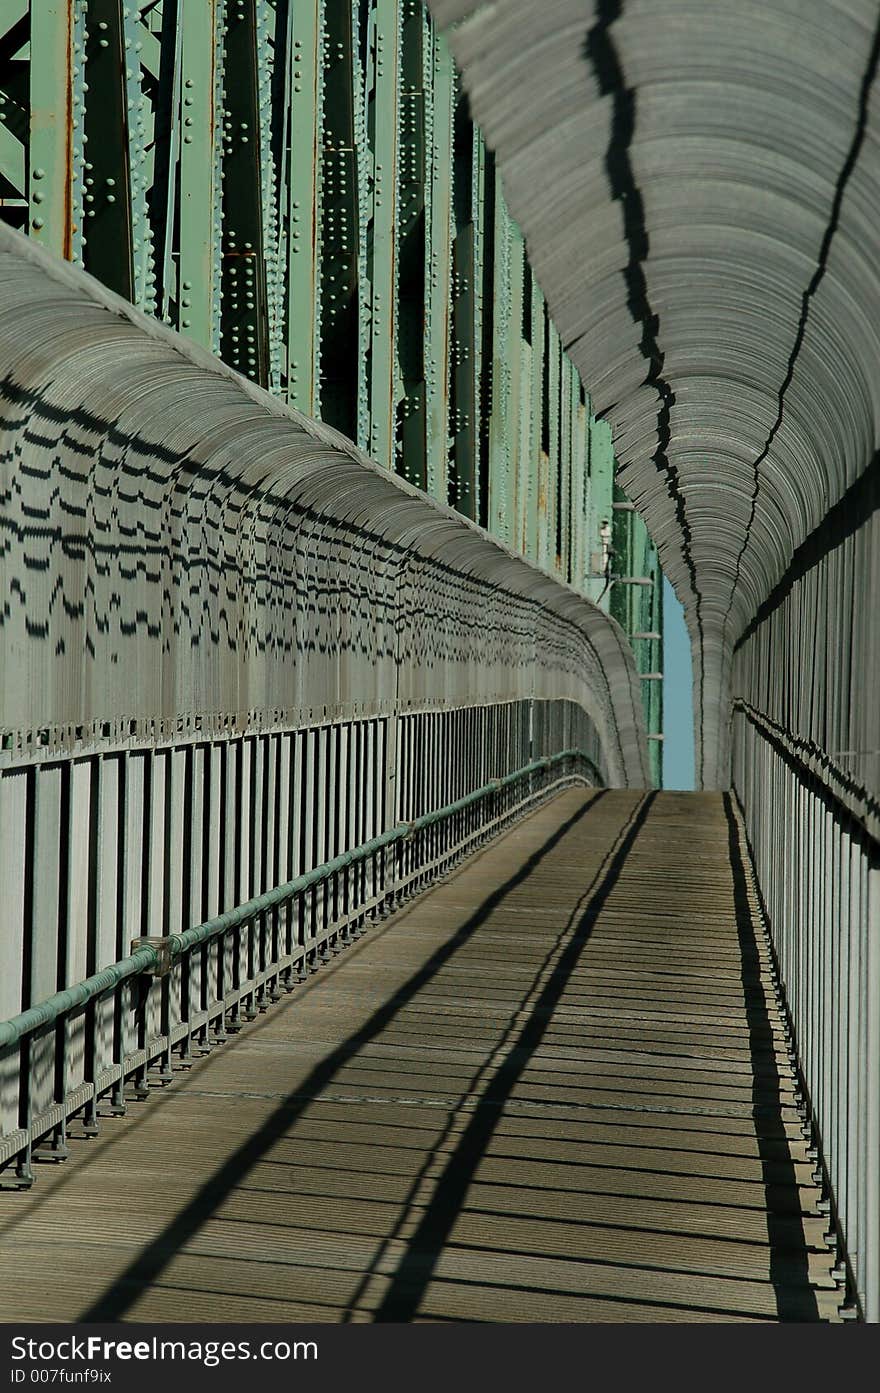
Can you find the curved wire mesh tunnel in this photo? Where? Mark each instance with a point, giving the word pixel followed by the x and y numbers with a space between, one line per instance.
pixel 237 650
pixel 695 184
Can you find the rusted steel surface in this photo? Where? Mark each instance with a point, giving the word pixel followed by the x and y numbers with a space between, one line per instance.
pixel 555 1088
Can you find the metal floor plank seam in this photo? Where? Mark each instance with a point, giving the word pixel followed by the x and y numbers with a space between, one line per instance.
pixel 540 1161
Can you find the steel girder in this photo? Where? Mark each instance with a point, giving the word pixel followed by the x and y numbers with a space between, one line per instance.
pixel 298 186
pixel 180 545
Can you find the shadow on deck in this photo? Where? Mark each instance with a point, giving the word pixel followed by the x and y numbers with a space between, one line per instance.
pixel 572 1103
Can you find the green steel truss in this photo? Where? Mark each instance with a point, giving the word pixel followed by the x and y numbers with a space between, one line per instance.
pixel 297 185
pixel 638 608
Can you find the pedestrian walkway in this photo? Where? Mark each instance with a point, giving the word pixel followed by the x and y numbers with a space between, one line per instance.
pixel 554 1088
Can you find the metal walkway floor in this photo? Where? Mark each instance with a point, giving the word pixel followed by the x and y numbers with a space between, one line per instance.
pixel 555 1088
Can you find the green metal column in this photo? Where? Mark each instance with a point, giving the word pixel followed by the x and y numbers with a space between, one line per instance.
pixel 499 423
pixel 271 35
pixel 552 558
pixel 304 106
pixel 338 198
pixel 512 349
pixel 525 413
pixel 542 520
pixel 655 726
pixel 480 239
pixel 111 203
pixel 487 307
pixel 245 320
pixel 55 135
pixel 364 70
pixel 579 470
pixel 163 134
pixel 467 285
pixel 299 186
pixel 142 64
pixel 439 140
pixel 564 522
pixel 198 270
pixel 384 127
pixel 600 512
pixel 535 424
pixel 413 250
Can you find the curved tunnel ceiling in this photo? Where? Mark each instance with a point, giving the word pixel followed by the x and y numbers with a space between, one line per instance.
pixel 698 182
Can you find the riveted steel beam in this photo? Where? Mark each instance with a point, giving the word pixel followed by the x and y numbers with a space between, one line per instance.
pixel 439 76
pixel 198 260
pixel 414 323
pixel 55 136
pixel 244 342
pixel 299 185
pixel 467 290
pixel 383 129
pixel 302 126
pixel 338 194
pixel 110 204
pixel 247 606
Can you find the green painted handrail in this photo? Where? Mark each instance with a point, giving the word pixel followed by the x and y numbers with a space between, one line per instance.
pixel 48 1011
pixel 72 998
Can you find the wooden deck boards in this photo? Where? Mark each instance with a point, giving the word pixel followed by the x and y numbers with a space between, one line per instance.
pixel 554 1088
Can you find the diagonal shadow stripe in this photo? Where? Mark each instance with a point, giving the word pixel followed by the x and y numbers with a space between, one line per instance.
pixel 601 52
pixel 850 513
pixel 789 1261
pixel 506 1045
pixel 416 1267
pixel 843 178
pixel 154 1258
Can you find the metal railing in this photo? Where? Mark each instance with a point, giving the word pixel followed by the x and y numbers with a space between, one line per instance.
pixel 189 991
pixel 237 649
pixel 813 839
